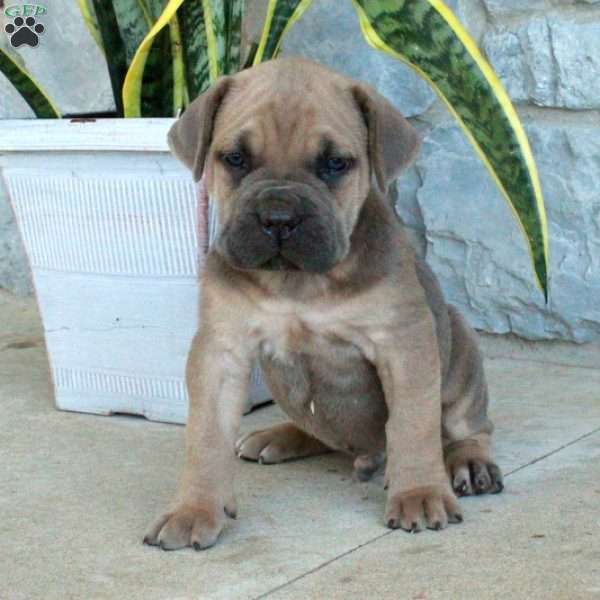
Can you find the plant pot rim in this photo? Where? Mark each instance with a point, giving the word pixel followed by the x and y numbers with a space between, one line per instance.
pixel 83 134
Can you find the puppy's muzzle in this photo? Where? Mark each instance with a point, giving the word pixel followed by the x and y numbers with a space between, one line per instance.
pixel 281 225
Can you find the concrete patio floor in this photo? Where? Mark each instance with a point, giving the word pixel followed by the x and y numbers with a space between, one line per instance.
pixel 78 491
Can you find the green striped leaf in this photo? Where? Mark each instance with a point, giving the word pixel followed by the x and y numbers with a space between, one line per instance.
pixel 281 15
pixel 250 55
pixel 114 47
pixel 158 77
pixel 215 18
pixel 211 38
pixel 195 54
pixel 234 13
pixel 160 96
pixel 213 48
pixel 223 27
pixel 154 8
pixel 233 29
pixel 29 89
pixel 173 66
pixel 134 20
pixel 178 67
pixel 428 37
pixel 151 93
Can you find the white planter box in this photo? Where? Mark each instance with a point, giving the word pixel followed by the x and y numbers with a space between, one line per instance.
pixel 111 226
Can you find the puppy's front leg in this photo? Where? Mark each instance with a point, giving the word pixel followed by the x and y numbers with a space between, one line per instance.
pixel 218 373
pixel 419 492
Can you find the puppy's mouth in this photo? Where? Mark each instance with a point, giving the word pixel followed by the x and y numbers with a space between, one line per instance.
pixel 279 263
pixel 308 248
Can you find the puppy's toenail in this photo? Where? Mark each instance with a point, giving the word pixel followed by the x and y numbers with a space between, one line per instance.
pixel 483 483
pixel 461 489
pixel 459 518
pixel 197 547
pixel 392 524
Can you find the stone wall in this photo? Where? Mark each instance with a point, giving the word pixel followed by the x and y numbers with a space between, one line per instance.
pixel 547 52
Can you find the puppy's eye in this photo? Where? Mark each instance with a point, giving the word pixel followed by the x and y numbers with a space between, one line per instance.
pixel 235 160
pixel 332 167
pixel 337 164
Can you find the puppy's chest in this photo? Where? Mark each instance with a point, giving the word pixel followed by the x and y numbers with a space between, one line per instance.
pixel 281 336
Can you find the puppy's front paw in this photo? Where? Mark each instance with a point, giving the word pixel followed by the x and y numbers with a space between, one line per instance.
pixel 187 525
pixel 430 506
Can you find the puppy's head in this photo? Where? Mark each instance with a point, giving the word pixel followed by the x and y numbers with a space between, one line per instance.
pixel 290 151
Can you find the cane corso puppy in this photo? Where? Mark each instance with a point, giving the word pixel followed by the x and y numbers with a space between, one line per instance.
pixel 313 276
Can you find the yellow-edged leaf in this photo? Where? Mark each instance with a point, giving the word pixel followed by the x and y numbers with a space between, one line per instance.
pixel 132 88
pixel 427 36
pixel 281 15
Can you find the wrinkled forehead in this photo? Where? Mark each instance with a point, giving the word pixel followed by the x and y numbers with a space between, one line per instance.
pixel 290 123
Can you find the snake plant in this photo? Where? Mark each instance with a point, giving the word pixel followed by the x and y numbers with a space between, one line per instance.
pixel 161 54
pixel 11 66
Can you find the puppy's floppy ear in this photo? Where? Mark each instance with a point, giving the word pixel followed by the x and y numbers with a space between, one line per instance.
pixel 190 136
pixel 393 142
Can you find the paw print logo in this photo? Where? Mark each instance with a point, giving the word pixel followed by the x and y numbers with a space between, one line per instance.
pixel 24 32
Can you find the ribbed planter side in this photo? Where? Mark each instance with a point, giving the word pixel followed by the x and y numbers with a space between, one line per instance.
pixel 115 238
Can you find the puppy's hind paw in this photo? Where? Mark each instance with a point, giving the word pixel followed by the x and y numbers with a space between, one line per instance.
pixel 277 444
pixel 476 477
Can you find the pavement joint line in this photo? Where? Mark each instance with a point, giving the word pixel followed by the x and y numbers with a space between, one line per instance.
pixel 552 452
pixel 541 361
pixel 321 566
pixel 378 537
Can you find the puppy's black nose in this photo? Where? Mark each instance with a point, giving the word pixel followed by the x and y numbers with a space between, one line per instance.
pixel 279 224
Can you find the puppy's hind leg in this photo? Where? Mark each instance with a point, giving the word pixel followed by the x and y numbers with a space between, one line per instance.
pixel 279 443
pixel 466 428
